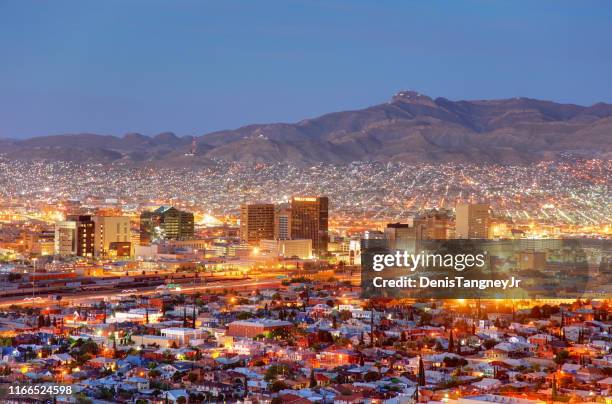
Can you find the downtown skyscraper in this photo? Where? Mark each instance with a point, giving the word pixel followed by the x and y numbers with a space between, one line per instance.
pixel 309 220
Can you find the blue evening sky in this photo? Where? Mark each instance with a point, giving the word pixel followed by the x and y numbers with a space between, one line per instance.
pixel 117 66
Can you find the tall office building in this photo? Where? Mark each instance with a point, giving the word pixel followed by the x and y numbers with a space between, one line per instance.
pixel 433 225
pixel 309 220
pixel 46 242
pixel 472 220
pixel 256 222
pixel 282 222
pixel 165 223
pixel 400 236
pixel 109 231
pixel 85 231
pixel 65 238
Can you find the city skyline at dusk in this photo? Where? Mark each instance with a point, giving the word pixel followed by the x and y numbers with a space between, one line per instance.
pixel 305 202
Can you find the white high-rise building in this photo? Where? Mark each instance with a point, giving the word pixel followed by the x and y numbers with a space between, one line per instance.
pixel 65 238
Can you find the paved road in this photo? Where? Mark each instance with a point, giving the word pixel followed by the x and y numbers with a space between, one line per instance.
pixel 76 296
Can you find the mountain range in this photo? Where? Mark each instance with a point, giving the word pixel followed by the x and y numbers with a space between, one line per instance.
pixel 410 127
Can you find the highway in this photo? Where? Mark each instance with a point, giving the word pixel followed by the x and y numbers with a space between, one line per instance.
pixel 75 297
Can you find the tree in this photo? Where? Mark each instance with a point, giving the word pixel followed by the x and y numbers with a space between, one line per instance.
pixel 274 370
pixel 372 327
pixel 454 361
pixel 87 347
pixel 425 318
pixel 313 380
pixel 562 318
pixel 451 342
pixel 489 343
pixel 277 386
pixel 280 333
pixel 561 357
pixel 244 315
pixel 371 376
pixel 6 370
pixel 81 398
pixel 29 354
pixel 421 376
pixel 324 336
pixel 106 394
pixel 115 347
